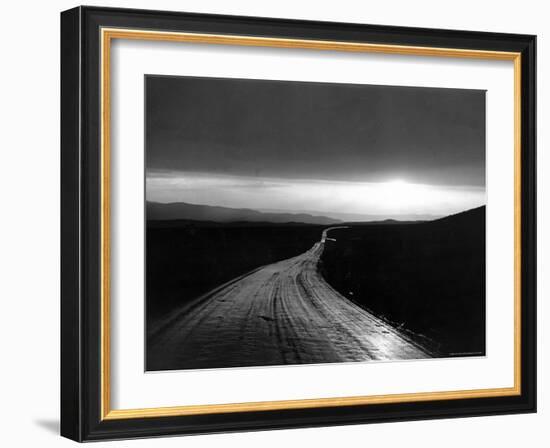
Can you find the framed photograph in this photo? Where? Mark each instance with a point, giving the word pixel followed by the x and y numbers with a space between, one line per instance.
pixel 275 224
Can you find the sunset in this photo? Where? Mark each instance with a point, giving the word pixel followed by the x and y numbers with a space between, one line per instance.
pixel 388 199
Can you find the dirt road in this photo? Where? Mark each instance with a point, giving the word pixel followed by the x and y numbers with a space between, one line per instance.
pixel 283 313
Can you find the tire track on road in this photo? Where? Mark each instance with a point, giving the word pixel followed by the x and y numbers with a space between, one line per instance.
pixel 282 313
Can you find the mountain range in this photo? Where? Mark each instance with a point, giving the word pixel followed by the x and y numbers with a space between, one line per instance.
pixel 157 211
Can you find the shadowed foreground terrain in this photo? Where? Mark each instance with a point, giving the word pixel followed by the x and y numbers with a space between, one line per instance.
pixel 427 278
pixel 283 313
pixel 251 294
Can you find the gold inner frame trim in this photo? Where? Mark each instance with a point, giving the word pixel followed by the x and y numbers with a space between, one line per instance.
pixel 107 35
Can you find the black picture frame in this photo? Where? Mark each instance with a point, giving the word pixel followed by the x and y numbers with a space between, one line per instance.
pixel 81 379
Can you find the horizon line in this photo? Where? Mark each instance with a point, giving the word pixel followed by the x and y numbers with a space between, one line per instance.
pixel 316 214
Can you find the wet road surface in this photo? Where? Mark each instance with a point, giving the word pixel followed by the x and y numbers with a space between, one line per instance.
pixel 282 313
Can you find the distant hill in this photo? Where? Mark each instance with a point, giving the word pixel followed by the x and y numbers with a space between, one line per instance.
pixel 461 219
pixel 366 218
pixel 157 211
pixel 464 218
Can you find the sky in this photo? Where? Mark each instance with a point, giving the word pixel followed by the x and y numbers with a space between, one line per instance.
pixel 300 146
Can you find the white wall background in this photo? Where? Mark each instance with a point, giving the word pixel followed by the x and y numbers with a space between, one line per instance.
pixel 29 228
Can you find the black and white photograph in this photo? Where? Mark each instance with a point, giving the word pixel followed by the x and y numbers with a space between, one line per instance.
pixel 308 223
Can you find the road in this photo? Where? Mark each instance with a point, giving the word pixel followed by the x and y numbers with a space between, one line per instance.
pixel 282 313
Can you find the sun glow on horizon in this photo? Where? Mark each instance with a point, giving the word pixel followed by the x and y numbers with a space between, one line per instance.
pixel 392 197
pixel 401 193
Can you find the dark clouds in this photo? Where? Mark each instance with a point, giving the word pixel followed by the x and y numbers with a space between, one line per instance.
pixel 315 130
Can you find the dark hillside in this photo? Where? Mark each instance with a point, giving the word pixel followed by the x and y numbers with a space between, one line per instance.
pixel 428 278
